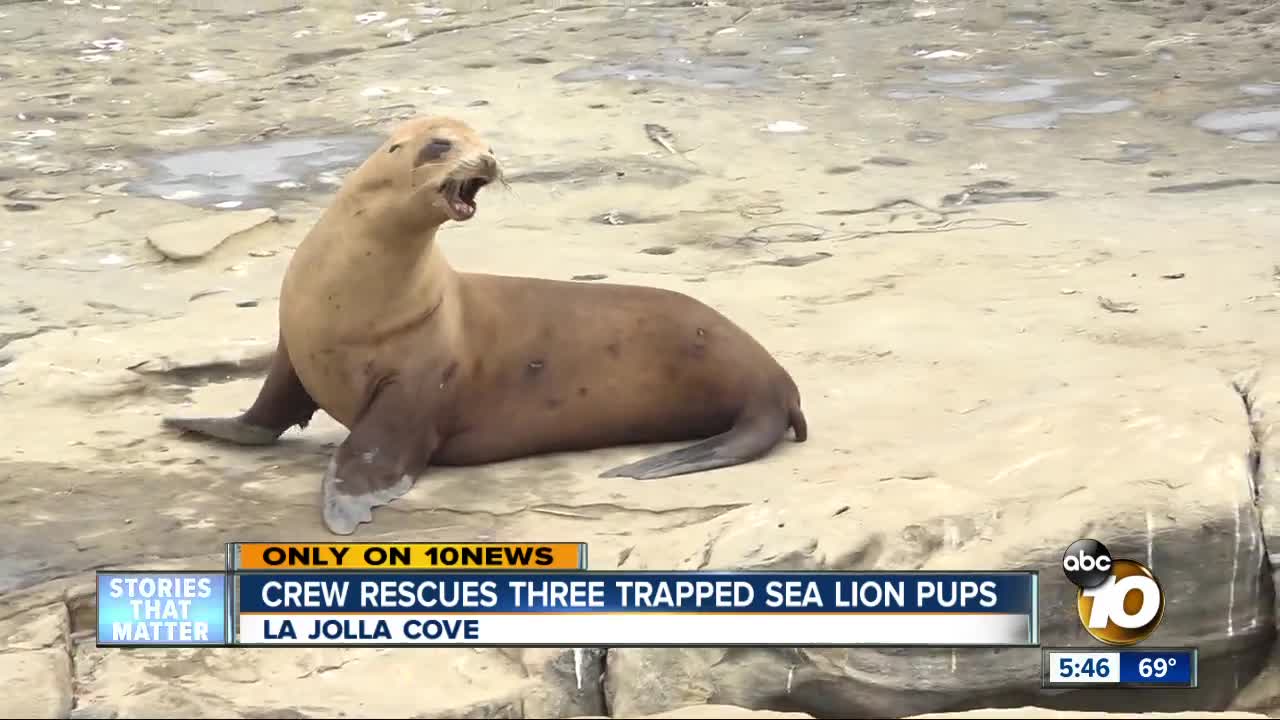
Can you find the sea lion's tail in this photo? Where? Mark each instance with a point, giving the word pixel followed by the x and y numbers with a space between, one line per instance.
pixel 753 435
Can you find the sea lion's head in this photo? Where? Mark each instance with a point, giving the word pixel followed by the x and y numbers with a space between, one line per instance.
pixel 428 171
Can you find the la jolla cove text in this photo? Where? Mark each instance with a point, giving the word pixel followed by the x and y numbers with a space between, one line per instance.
pixel 476 594
pixel 321 629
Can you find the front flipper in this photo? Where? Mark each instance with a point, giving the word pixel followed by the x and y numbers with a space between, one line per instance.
pixel 281 403
pixel 378 462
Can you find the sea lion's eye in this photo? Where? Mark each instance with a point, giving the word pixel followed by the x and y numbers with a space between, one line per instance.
pixel 434 150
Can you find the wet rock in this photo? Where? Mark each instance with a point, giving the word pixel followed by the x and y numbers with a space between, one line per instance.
pixel 51 168
pixel 673 67
pixel 1224 184
pixel 1252 124
pixel 1039 712
pixel 619 217
pixel 193 239
pixel 34 194
pixel 888 161
pixel 1094 106
pixel 585 173
pixel 1186 511
pixel 302 59
pixel 925 137
pixel 1262 89
pixel 1034 120
pixel 1131 154
pixel 252 172
pixel 981 195
pixel 305 80
pixel 797 260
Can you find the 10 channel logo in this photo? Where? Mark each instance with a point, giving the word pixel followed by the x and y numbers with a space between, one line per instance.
pixel 1120 601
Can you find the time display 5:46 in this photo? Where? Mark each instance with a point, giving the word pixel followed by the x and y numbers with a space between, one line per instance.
pixel 1084 667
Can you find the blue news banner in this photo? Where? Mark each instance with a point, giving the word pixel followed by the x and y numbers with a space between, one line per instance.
pixel 569 609
pixel 1159 667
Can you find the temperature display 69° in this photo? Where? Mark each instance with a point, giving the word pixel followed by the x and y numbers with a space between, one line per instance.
pixel 1121 667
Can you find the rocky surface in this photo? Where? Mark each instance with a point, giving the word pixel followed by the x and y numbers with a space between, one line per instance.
pixel 697 712
pixel 731 711
pixel 1038 712
pixel 1020 259
pixel 193 239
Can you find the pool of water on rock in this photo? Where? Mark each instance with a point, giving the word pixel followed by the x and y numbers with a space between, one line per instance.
pixel 251 175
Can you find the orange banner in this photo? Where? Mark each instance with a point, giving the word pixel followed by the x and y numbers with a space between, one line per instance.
pixel 410 556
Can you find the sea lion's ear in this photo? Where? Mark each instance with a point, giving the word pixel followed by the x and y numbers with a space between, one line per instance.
pixel 393 148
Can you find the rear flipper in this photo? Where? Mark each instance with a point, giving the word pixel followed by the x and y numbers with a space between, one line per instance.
pixel 231 429
pixel 750 437
pixel 389 446
pixel 282 403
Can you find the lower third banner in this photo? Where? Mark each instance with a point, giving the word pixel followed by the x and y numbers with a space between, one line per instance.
pixel 618 609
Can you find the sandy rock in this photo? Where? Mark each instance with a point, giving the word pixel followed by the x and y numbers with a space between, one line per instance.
pixel 37 684
pixel 569 682
pixel 37 629
pixel 1039 712
pixel 35 665
pixel 1262 393
pixel 326 682
pixel 192 239
pixel 1183 505
pixel 971 406
pixel 1263 693
pixel 697 712
pixel 198 358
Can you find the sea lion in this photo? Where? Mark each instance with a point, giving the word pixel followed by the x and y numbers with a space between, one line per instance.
pixel 427 365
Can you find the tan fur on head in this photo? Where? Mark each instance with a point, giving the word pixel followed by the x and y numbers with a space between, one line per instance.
pixel 427 172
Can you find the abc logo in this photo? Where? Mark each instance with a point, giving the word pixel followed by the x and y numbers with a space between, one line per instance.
pixel 1120 601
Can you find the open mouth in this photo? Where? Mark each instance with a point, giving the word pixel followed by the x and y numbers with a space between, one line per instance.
pixel 461 196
